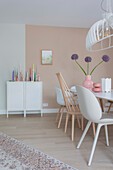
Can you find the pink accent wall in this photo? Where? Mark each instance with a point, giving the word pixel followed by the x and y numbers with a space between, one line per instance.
pixel 64 42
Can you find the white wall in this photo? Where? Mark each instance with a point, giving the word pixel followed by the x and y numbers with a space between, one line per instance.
pixel 12 53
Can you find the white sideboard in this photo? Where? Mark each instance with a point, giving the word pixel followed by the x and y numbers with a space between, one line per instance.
pixel 24 96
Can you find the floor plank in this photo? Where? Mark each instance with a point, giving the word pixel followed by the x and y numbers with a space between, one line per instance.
pixel 43 134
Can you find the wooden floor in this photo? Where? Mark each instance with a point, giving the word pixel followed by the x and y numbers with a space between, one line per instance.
pixel 42 134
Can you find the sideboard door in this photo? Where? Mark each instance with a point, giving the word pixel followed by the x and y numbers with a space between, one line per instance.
pixel 15 96
pixel 33 96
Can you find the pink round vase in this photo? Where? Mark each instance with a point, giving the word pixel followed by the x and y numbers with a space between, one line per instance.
pixel 88 83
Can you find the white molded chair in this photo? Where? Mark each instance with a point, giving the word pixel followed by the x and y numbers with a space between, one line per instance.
pixel 73 88
pixel 61 102
pixel 74 93
pixel 60 99
pixel 91 110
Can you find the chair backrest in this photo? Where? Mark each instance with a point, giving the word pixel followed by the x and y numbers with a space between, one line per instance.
pixel 60 99
pixel 70 103
pixel 73 88
pixel 88 104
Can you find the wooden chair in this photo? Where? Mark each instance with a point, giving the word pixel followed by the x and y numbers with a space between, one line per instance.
pixel 62 106
pixel 71 106
pixel 75 96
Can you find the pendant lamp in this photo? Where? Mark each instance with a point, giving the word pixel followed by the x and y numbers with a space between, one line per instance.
pixel 100 35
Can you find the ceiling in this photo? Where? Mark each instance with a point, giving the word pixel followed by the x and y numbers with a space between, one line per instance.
pixel 67 13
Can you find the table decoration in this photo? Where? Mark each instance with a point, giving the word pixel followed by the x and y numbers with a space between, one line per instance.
pixel 97 87
pixel 88 83
pixel 106 84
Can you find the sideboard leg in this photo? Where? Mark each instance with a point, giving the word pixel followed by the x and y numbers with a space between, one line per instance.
pixel 41 114
pixel 7 113
pixel 24 113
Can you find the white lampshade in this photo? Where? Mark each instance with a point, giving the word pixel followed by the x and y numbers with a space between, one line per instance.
pixel 100 32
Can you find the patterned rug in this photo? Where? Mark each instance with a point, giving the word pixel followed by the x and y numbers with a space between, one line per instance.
pixel 16 155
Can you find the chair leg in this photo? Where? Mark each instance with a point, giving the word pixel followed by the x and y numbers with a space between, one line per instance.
pixel 84 134
pixel 73 121
pixel 106 134
pixel 67 118
pixel 60 118
pixel 109 108
pixel 93 125
pixel 94 144
pixel 82 122
pixel 58 114
pixel 78 121
pixel 70 117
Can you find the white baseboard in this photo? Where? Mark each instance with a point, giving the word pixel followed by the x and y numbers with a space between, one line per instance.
pixel 50 110
pixel 53 110
pixel 2 112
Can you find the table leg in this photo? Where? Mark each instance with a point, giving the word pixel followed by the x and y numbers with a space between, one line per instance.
pixel 101 103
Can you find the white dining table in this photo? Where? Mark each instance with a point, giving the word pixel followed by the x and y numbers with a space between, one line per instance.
pixel 101 96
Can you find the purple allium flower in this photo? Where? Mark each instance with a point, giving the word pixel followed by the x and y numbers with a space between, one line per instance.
pixel 105 58
pixel 88 59
pixel 74 57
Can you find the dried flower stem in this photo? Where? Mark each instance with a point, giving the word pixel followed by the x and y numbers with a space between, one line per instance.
pixel 96 67
pixel 88 68
pixel 81 67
